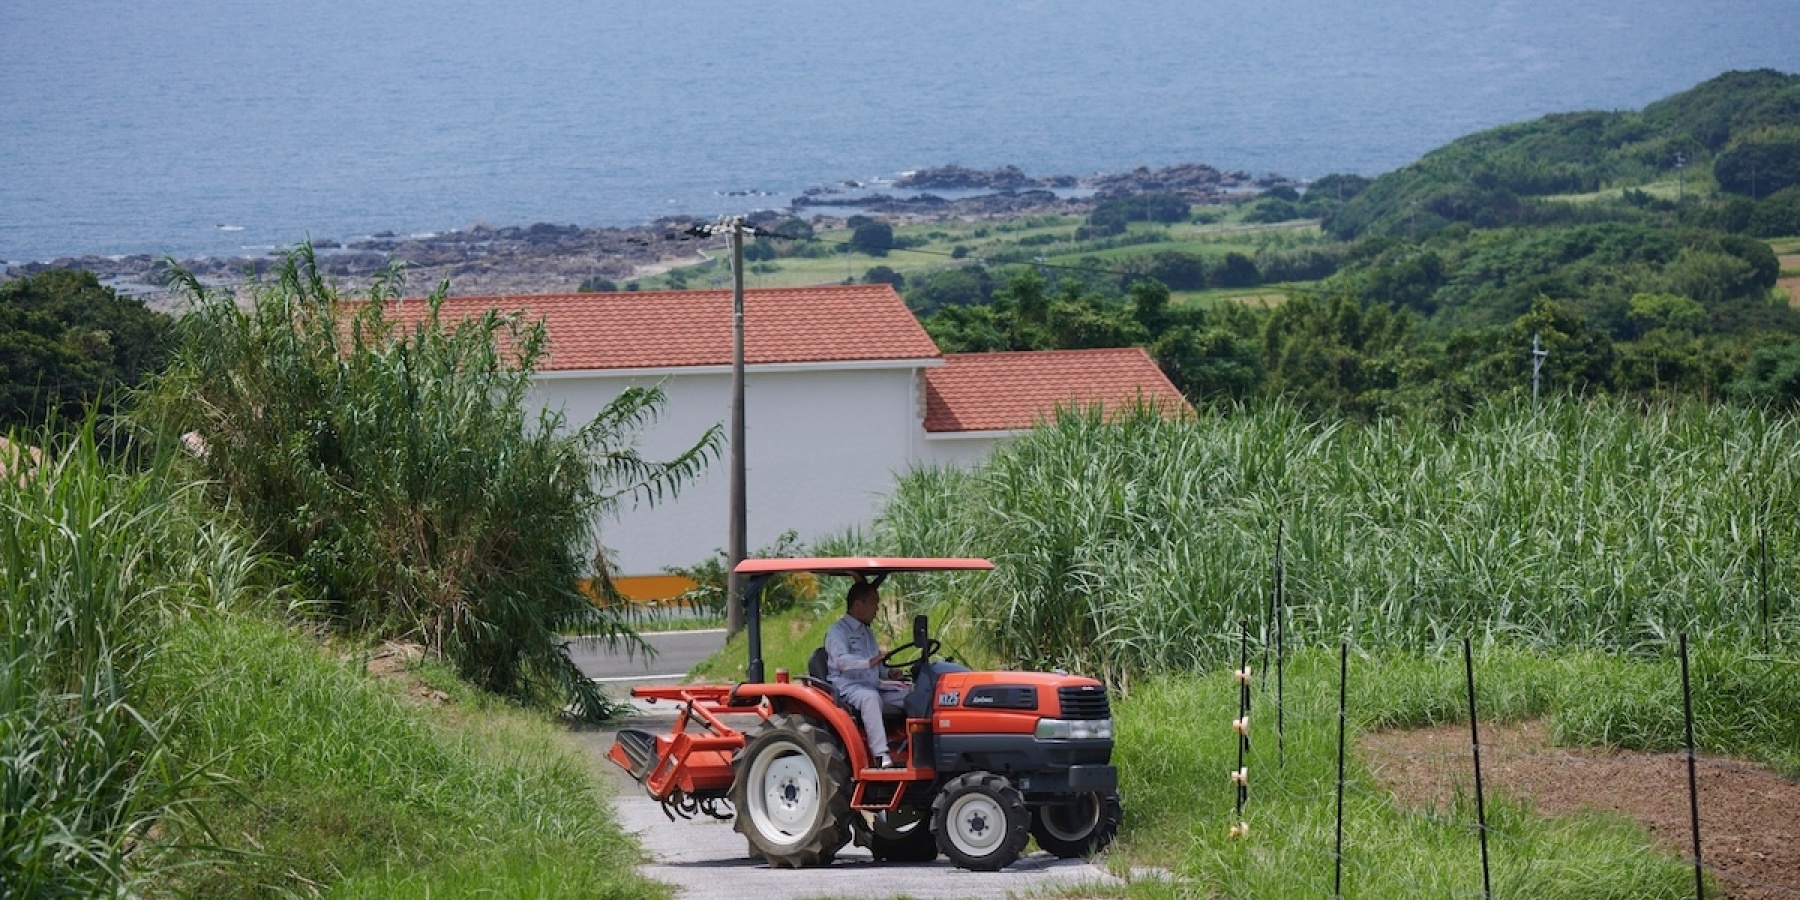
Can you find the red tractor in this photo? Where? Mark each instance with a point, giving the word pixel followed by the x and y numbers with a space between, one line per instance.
pixel 985 760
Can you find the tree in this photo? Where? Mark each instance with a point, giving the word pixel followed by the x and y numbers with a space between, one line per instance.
pixel 1236 271
pixel 403 472
pixel 1581 359
pixel 873 236
pixel 66 340
pixel 1711 277
pixel 1214 364
pixel 884 275
pixel 932 291
pixel 760 250
pixel 794 228
pixel 1671 311
pixel 1111 216
pixel 1337 187
pixel 1150 305
pixel 1776 216
pixel 1772 377
pixel 1761 165
pixel 1180 271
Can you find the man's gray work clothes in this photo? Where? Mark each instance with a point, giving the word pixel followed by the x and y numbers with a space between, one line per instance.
pixel 852 650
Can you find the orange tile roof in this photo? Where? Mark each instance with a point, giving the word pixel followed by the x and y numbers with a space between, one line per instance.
pixel 659 329
pixel 1007 391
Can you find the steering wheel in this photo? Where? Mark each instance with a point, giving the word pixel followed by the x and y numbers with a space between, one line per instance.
pixel 920 654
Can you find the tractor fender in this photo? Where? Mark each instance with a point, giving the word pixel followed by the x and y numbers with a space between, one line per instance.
pixel 800 699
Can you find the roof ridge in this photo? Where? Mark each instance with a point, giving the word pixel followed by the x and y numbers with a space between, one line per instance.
pixel 674 329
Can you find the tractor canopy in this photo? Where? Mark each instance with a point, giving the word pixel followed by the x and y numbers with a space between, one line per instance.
pixel 757 573
pixel 861 565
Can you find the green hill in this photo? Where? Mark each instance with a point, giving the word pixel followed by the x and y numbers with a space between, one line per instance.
pixel 1732 125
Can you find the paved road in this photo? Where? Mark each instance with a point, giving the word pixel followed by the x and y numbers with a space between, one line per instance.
pixel 706 859
pixel 676 653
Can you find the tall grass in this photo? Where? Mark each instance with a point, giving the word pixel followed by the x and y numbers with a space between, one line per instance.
pixel 1142 544
pixel 93 565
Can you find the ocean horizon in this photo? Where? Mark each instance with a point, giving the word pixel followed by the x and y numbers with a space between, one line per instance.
pixel 218 129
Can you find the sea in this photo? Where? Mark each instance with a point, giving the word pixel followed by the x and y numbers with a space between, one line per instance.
pixel 221 127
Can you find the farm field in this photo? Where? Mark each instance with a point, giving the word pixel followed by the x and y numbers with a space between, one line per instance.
pixel 1047 241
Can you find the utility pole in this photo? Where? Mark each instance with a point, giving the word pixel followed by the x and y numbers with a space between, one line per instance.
pixel 735 544
pixel 736 547
pixel 1537 365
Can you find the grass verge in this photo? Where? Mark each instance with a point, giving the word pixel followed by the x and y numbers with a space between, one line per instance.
pixel 339 784
pixel 1176 748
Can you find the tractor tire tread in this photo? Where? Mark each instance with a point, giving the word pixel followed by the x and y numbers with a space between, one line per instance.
pixel 833 830
pixel 1012 805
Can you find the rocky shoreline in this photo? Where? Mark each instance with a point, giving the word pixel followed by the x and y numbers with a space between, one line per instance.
pixel 547 258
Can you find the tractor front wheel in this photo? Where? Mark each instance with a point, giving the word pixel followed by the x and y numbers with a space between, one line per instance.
pixel 791 788
pixel 981 821
pixel 1082 826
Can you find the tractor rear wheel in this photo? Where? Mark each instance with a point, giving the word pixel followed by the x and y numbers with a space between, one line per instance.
pixel 981 821
pixel 791 787
pixel 1082 826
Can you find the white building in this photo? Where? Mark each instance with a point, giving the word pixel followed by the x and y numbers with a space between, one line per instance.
pixel 843 391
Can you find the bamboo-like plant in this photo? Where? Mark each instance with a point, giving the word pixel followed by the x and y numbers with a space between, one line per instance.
pixel 93 563
pixel 408 473
pixel 1142 544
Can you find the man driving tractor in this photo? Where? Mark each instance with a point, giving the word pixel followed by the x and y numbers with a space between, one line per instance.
pixel 993 760
pixel 858 664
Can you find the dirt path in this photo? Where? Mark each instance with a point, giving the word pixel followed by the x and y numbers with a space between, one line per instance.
pixel 1749 816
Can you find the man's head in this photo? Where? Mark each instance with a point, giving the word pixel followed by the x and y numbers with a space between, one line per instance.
pixel 862 602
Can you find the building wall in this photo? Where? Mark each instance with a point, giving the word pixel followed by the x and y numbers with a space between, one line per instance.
pixel 824 444
pixel 962 450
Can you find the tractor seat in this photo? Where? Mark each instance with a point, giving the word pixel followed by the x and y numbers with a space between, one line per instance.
pixel 818 672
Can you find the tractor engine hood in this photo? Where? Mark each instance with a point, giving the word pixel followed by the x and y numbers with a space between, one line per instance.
pixel 1013 702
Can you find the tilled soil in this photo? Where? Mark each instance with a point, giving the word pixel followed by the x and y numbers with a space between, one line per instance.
pixel 1749 816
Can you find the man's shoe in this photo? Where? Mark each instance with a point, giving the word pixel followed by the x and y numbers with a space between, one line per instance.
pixel 885 761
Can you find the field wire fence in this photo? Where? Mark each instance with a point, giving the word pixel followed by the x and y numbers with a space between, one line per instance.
pixel 1440 781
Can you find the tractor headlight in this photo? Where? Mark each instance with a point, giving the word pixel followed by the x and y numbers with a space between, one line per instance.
pixel 1073 729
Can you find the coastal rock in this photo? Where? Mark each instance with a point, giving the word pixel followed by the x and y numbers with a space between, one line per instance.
pixel 547 257
pixel 1198 182
pixel 958 178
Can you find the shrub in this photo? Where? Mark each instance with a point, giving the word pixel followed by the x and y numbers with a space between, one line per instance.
pixel 398 466
pixel 781 595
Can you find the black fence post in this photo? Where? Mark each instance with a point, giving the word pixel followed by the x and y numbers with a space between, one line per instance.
pixel 1337 881
pixel 1268 621
pixel 1280 652
pixel 1241 775
pixel 1687 712
pixel 1487 889
pixel 1762 540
